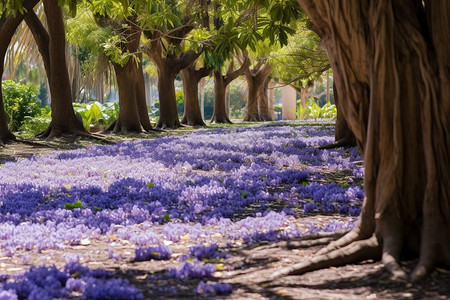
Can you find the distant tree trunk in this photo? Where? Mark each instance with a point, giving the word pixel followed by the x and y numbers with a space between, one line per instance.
pixel 263 102
pixel 256 80
pixel 220 84
pixel 343 136
pixel 168 117
pixel 168 68
pixel 8 26
pixel 391 62
pixel 133 115
pixel 128 120
pixel 64 119
pixel 191 78
pixel 220 111
pixel 202 96
pixel 140 96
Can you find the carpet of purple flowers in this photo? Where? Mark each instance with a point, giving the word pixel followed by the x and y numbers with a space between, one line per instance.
pixel 242 185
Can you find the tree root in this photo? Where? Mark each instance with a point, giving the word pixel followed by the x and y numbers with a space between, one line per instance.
pixel 356 251
pixel 322 238
pixel 350 237
pixel 343 142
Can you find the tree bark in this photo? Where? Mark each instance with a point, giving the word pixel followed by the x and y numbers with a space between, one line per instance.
pixel 220 84
pixel 391 62
pixel 133 113
pixel 64 119
pixel 256 80
pixel 7 29
pixel 263 102
pixel 191 78
pixel 343 136
pixel 168 68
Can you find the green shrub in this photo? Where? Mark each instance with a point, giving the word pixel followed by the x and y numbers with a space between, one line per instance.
pixel 34 125
pixel 20 102
pixel 95 113
pixel 314 111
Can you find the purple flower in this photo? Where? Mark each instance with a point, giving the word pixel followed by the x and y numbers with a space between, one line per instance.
pixel 213 289
pixel 160 252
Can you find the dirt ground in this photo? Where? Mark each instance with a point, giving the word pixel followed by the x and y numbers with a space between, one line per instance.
pixel 247 269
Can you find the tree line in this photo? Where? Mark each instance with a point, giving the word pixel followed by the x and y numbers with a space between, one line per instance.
pixel 193 39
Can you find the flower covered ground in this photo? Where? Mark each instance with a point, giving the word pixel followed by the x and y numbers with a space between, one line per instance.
pixel 173 217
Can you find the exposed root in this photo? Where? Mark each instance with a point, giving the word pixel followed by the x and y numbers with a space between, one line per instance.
pixel 220 119
pixel 7 138
pixel 193 122
pixel 392 235
pixel 36 144
pixel 96 137
pixel 355 252
pixel 350 237
pixel 318 239
pixel 343 142
pixel 52 132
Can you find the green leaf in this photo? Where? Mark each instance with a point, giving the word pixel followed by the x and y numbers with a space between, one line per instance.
pixel 244 195
pixel 149 184
pixel 166 217
pixel 72 206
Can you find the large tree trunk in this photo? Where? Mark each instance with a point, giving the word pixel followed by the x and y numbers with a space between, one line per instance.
pixel 168 67
pixel 128 120
pixel 133 113
pixel 220 111
pixel 392 59
pixel 256 80
pixel 140 96
pixel 263 102
pixel 252 114
pixel 64 119
pixel 168 113
pixel 7 29
pixel 220 84
pixel 343 136
pixel 191 78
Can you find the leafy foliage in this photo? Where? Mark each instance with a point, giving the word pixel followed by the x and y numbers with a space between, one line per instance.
pixel 314 111
pixel 20 101
pixel 95 113
pixel 33 125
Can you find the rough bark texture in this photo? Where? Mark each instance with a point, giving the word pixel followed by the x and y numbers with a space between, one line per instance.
pixel 265 107
pixel 168 67
pixel 64 119
pixel 343 136
pixel 392 62
pixel 8 27
pixel 191 78
pixel 133 116
pixel 220 85
pixel 257 80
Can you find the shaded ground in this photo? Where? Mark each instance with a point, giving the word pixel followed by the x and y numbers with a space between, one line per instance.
pixel 246 269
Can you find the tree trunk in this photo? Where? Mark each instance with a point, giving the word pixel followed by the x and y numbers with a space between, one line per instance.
pixel 343 136
pixel 140 96
pixel 7 29
pixel 252 114
pixel 220 112
pixel 64 119
pixel 391 70
pixel 263 102
pixel 168 67
pixel 256 80
pixel 133 113
pixel 202 96
pixel 128 120
pixel 168 117
pixel 220 84
pixel 191 78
